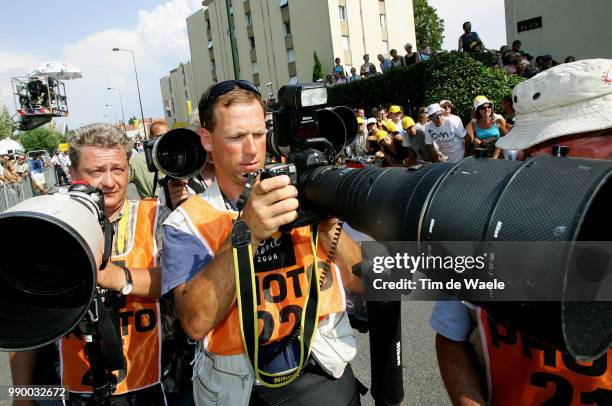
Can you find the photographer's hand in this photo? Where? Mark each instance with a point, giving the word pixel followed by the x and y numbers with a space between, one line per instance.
pixel 146 282
pixel 178 191
pixel 271 204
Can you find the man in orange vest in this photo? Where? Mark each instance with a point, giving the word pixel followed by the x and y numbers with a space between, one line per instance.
pixel 198 266
pixel 568 105
pixel 129 285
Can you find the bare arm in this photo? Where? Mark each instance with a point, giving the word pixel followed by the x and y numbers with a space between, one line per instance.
pixel 146 282
pixel 22 370
pixel 433 153
pixel 458 372
pixel 460 46
pixel 204 301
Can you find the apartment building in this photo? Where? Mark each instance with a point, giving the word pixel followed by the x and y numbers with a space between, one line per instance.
pixel 179 95
pixel 272 42
pixel 560 27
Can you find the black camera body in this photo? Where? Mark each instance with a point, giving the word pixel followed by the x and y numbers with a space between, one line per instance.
pixel 309 136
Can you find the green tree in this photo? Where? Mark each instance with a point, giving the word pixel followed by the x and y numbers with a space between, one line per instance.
pixel 427 24
pixel 39 138
pixel 317 70
pixel 7 125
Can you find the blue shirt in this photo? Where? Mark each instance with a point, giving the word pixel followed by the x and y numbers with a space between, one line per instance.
pixel 451 319
pixel 386 64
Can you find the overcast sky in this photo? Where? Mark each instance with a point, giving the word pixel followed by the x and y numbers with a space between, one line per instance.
pixel 83 34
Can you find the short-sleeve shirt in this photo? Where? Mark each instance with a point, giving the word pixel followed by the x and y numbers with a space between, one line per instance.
pixel 417 143
pixel 449 137
pixel 466 40
pixel 451 319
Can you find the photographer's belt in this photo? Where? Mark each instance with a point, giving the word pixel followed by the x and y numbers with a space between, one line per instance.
pixel 302 334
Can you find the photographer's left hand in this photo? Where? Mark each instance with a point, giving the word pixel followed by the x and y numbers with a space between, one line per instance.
pixel 112 277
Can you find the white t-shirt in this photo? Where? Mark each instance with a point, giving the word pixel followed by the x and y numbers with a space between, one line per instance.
pixel 449 137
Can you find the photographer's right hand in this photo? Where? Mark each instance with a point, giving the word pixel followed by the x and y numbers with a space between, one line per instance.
pixel 271 204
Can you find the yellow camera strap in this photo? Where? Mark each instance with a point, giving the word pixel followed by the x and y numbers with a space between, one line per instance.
pixel 246 289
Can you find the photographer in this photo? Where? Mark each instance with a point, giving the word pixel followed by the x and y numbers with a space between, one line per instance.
pixel 575 111
pixel 129 284
pixel 198 267
pixel 139 173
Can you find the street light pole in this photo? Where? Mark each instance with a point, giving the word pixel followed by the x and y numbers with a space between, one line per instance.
pixel 144 126
pixel 110 106
pixel 121 102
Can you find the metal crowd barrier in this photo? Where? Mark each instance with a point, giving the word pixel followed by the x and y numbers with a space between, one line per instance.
pixel 13 193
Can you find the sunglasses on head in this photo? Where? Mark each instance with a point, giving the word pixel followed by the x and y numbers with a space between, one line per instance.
pixel 226 86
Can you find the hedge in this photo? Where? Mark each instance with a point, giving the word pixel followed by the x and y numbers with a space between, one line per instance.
pixel 455 76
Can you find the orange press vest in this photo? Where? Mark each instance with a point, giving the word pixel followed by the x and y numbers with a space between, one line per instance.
pixel 281 295
pixel 522 371
pixel 139 318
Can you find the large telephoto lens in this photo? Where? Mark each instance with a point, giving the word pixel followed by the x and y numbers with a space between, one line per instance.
pixel 546 199
pixel 179 153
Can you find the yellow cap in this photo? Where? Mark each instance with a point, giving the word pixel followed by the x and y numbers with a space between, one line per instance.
pixel 380 134
pixel 407 122
pixel 389 125
pixel 395 109
pixel 360 120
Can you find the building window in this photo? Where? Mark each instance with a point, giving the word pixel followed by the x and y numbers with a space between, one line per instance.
pixel 249 19
pixel 210 44
pixel 207 24
pixel 287 28
pixel 186 95
pixel 252 42
pixel 170 85
pixel 385 47
pixel 293 80
pixel 342 10
pixel 284 3
pixel 255 67
pixel 383 20
pixel 345 43
pixel 291 55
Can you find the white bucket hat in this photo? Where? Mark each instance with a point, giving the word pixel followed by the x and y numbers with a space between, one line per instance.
pixel 568 99
pixel 433 109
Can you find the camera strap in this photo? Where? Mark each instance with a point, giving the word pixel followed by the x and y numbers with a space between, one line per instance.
pixel 246 288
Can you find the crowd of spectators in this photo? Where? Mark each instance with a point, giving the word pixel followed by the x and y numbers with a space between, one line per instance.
pixel 511 59
pixel 388 137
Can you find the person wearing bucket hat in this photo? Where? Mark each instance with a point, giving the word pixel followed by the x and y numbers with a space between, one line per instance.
pixel 484 131
pixel 569 105
pixel 447 134
pixel 388 154
pixel 448 107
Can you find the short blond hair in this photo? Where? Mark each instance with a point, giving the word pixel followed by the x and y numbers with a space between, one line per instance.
pixel 102 135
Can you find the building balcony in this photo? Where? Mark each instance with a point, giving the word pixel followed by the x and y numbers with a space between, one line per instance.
pixel 344 28
pixel 288 41
pixel 209 34
pixel 247 6
pixel 250 31
pixel 292 69
pixel 285 14
pixel 256 79
pixel 381 7
pixel 385 34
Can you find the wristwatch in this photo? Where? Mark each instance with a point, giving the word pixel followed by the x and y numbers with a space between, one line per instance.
pixel 127 288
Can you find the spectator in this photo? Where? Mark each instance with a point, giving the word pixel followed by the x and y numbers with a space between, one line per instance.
pixel 3 180
pixel 382 115
pixel 341 78
pixel 358 146
pixel 447 105
pixel 569 59
pixel 422 118
pixel 395 115
pixel 387 155
pixel 371 128
pixel 338 72
pixel 508 111
pixel 354 75
pixel 503 49
pixel 365 69
pixel 22 168
pixel 140 175
pixel 60 174
pixel 547 62
pixel 424 51
pixel 484 131
pixel 373 71
pixel 411 57
pixel 385 63
pixel 360 112
pixel 396 60
pixel 446 133
pixel 414 139
pixel 467 38
pixel 516 46
pixel 577 113
pixel 329 80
